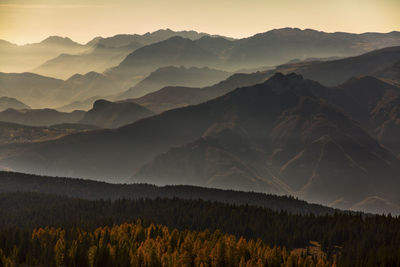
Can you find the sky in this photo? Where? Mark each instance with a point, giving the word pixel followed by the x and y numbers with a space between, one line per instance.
pixel 28 21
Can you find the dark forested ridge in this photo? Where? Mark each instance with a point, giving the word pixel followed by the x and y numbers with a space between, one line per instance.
pixel 92 190
pixel 353 238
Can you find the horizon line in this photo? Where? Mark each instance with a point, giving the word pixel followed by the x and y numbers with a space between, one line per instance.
pixel 192 30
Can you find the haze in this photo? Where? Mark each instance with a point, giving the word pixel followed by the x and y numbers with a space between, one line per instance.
pixel 24 21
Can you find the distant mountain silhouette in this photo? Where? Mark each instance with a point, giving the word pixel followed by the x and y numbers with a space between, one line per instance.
pixel 380 63
pixel 120 40
pixel 171 97
pixel 9 102
pixel 85 104
pixel 175 76
pixel 281 45
pixel 173 51
pixel 40 117
pixel 279 136
pixel 98 59
pixel 217 45
pixel 41 91
pixel 17 133
pixel 107 114
pixel 24 58
pixel 264 49
pixel 104 53
pixel 30 88
pixel 79 87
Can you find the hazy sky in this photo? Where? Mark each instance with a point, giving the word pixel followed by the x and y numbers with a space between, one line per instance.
pixel 23 21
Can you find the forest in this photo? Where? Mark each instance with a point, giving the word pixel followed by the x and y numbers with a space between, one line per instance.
pixel 154 245
pixel 92 190
pixel 348 239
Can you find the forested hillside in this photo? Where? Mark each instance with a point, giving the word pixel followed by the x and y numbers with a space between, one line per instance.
pixel 155 245
pixel 92 190
pixel 346 236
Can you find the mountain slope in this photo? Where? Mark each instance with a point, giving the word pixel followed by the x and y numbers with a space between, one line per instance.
pixel 29 88
pixel 24 58
pixel 79 87
pixel 173 51
pixel 121 40
pixel 338 71
pixel 107 114
pixel 40 91
pixel 17 133
pixel 40 117
pixel 175 76
pixel 278 132
pixel 176 96
pixel 98 59
pixel 8 102
pixel 103 53
pixel 89 189
pixel 281 45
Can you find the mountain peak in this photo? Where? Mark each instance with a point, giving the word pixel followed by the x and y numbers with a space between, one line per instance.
pixel 58 40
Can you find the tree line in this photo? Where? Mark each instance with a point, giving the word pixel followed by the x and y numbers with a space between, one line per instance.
pixel 356 239
pixel 152 246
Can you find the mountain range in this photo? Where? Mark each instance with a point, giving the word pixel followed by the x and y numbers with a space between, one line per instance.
pixel 104 114
pixel 171 97
pixel 175 76
pixel 323 126
pixel 131 58
pixel 382 63
pixel 45 92
pixel 265 49
pixel 283 136
pixel 40 117
pixel 103 53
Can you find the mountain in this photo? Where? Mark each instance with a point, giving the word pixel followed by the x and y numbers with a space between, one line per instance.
pixel 29 88
pixel 281 45
pixel 17 133
pixel 103 53
pixel 171 97
pixel 265 49
pixel 97 59
pixel 7 102
pixel 40 91
pixel 40 117
pixel 120 40
pixel 173 51
pixel 79 87
pixel 220 46
pixel 107 114
pixel 277 136
pixel 270 48
pixel 23 58
pixel 380 63
pixel 175 76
